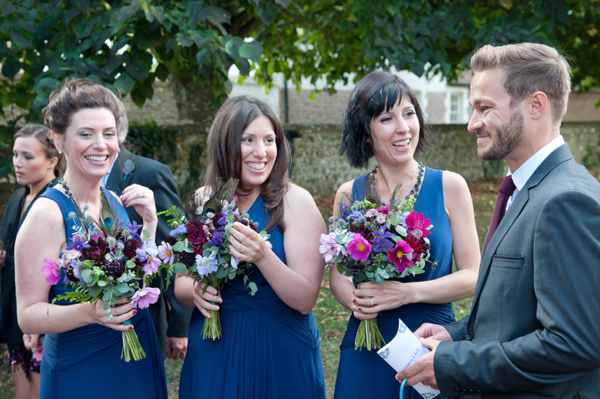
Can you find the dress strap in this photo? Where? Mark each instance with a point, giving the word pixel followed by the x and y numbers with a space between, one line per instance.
pixel 359 187
pixel 66 207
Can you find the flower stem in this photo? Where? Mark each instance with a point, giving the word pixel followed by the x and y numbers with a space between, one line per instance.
pixel 131 345
pixel 211 328
pixel 368 335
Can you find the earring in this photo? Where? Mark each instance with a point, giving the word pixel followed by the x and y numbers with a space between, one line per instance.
pixel 59 152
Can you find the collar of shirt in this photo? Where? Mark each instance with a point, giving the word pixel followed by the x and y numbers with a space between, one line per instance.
pixel 521 175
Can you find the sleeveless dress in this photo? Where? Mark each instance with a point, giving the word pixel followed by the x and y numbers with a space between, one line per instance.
pixel 86 362
pixel 364 374
pixel 267 349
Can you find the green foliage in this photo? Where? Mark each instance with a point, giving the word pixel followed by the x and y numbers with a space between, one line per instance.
pixel 153 141
pixel 330 38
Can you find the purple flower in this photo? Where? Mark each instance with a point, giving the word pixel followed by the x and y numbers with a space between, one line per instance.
pixel 50 269
pixel 398 257
pixel 217 239
pixel 381 242
pixel 359 248
pixel 166 254
pixel 134 227
pixel 141 254
pixel 181 229
pixel 76 243
pixel 152 260
pixel 145 297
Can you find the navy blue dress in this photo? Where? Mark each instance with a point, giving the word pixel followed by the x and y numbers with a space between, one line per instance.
pixel 86 362
pixel 364 374
pixel 267 350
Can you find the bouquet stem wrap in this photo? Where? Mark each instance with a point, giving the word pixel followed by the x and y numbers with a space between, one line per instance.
pixel 368 335
pixel 211 328
pixel 132 349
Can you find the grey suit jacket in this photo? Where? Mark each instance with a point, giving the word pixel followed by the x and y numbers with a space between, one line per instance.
pixel 533 331
pixel 170 317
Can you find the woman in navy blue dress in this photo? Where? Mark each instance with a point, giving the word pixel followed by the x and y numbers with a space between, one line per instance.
pixel 37 163
pixel 270 342
pixel 82 344
pixel 383 119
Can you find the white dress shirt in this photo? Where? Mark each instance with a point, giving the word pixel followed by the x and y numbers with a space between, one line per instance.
pixel 521 175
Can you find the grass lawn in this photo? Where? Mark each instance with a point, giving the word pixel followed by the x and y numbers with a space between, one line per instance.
pixel 331 317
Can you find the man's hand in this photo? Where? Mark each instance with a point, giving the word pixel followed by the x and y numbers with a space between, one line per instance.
pixel 176 347
pixel 435 331
pixel 422 369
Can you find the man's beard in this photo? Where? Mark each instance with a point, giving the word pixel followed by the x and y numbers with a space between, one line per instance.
pixel 504 140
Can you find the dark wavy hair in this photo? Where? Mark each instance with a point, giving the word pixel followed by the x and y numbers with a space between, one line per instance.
pixel 374 94
pixel 225 159
pixel 42 134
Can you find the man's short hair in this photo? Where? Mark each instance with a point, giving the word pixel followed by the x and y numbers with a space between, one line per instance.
pixel 529 67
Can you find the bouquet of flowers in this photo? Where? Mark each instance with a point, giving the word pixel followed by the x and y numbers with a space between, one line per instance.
pixel 199 245
pixel 376 243
pixel 106 260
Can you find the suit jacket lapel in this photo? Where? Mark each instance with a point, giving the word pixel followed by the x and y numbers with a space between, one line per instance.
pixel 117 178
pixel 558 156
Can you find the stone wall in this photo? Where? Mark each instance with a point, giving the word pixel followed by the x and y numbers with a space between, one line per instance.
pixel 318 167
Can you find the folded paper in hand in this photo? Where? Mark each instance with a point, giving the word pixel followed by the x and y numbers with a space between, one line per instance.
pixel 402 351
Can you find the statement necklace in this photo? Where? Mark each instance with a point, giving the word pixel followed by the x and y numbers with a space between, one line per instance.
pixel 416 188
pixel 62 182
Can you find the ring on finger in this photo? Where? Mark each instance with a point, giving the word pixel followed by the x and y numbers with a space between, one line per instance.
pixel 372 303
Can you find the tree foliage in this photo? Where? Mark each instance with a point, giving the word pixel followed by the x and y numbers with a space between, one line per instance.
pixel 331 38
pixel 128 44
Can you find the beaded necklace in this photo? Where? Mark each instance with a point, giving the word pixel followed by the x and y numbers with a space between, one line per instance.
pixel 62 182
pixel 416 188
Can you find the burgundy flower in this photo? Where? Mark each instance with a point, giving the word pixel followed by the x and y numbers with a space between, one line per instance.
pixel 130 246
pixel 96 249
pixel 417 244
pixel 71 275
pixel 114 268
pixel 196 233
pixel 187 258
pixel 171 240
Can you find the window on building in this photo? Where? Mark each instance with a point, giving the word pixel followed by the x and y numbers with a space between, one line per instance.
pixel 456 108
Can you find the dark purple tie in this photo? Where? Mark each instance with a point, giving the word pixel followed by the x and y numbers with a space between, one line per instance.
pixel 504 192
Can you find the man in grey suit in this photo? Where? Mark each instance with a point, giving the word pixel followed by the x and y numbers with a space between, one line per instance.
pixel 533 331
pixel 171 318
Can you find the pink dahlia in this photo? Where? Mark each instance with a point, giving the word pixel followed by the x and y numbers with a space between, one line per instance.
pixel 359 248
pixel 50 269
pixel 397 255
pixel 418 225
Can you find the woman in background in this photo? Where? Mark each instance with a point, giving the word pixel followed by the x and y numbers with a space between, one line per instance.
pixel 383 119
pixel 37 162
pixel 270 342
